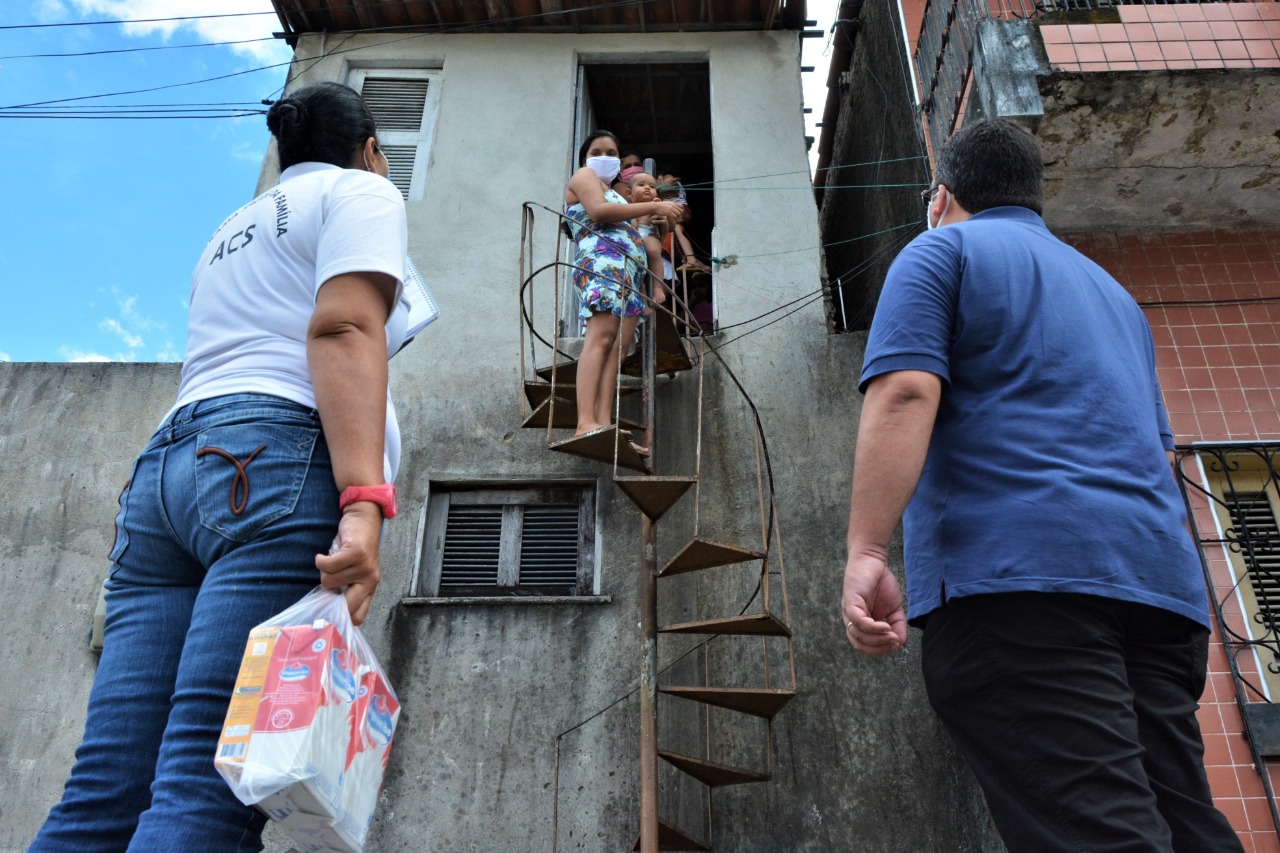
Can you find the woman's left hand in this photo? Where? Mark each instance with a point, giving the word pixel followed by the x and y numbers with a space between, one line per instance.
pixel 353 562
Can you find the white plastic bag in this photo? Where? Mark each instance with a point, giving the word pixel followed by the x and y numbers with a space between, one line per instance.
pixel 310 724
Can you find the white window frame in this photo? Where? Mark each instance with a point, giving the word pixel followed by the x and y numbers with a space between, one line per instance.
pixel 421 139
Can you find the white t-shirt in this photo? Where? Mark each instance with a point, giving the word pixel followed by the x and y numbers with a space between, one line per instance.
pixel 254 290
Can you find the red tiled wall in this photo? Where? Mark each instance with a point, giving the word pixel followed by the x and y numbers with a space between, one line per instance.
pixel 1213 301
pixel 1159 37
pixel 1217 335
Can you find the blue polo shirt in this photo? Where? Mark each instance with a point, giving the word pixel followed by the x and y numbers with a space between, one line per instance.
pixel 1046 468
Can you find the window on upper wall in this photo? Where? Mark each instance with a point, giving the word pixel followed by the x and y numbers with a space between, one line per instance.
pixel 1243 480
pixel 403 103
pixel 501 541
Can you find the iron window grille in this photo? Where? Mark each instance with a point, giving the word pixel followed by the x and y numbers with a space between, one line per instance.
pixel 1241 483
pixel 1243 489
pixel 510 542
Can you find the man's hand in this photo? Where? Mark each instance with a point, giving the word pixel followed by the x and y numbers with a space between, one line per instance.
pixel 874 620
pixel 353 562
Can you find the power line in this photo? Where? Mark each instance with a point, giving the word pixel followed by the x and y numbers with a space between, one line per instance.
pixel 132 21
pixel 134 49
pixel 463 28
pixel 248 104
pixel 135 116
pixel 143 91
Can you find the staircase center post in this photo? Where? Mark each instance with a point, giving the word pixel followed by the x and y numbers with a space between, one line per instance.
pixel 649 616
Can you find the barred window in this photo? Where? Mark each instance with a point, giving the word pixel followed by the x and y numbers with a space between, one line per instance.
pixel 1244 484
pixel 482 541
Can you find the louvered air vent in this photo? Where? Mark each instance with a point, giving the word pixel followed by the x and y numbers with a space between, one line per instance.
pixel 472 546
pixel 400 160
pixel 549 546
pixel 396 104
pixel 1254 527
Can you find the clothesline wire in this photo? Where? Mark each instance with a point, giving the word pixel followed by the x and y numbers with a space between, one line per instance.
pixel 857 269
pixel 811 297
pixel 735 258
pixel 809 188
pixel 801 172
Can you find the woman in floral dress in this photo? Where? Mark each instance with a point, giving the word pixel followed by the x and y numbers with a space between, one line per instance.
pixel 610 270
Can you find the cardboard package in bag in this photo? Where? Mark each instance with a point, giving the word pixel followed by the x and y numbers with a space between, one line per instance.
pixel 310 724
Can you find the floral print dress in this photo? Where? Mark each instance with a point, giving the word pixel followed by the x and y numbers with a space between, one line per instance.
pixel 611 262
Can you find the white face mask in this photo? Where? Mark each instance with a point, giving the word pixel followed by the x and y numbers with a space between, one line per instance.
pixel 929 223
pixel 606 168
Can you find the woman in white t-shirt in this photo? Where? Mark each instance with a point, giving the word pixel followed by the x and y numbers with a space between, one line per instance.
pixel 270 474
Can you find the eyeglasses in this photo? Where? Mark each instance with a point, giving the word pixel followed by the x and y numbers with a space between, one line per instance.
pixel 926 196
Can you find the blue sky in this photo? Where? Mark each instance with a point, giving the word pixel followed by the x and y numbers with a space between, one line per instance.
pixel 102 219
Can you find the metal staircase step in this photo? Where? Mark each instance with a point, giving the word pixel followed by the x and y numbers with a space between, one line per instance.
pixel 709 773
pixel 754 624
pixel 565 416
pixel 757 702
pixel 565 372
pixel 600 444
pixel 654 495
pixel 672 350
pixel 671 838
pixel 538 393
pixel 705 554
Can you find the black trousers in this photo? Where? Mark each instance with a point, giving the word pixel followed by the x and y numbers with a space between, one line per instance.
pixel 1077 715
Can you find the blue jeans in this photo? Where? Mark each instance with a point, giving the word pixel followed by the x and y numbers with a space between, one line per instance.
pixel 218 531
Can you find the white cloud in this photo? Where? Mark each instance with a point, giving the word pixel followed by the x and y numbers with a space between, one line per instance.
pixel 77 355
pixel 169 353
pixel 129 312
pixel 113 326
pixel 4 356
pixel 207 29
pixel 129 325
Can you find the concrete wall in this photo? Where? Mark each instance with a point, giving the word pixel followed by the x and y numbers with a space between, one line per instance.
pixel 877 168
pixel 68 436
pixel 488 688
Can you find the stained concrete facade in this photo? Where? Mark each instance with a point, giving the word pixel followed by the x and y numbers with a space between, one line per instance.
pixel 874 159
pixel 488 687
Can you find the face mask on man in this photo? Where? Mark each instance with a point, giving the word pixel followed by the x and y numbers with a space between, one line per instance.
pixel 930 223
pixel 605 168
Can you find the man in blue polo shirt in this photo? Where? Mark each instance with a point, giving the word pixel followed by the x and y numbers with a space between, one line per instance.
pixel 1012 411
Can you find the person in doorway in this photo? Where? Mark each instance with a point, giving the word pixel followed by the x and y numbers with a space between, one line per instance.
pixel 627 160
pixel 1012 411
pixel 608 268
pixel 270 474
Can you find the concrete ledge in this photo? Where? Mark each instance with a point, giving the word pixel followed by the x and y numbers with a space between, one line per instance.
pixel 506 599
